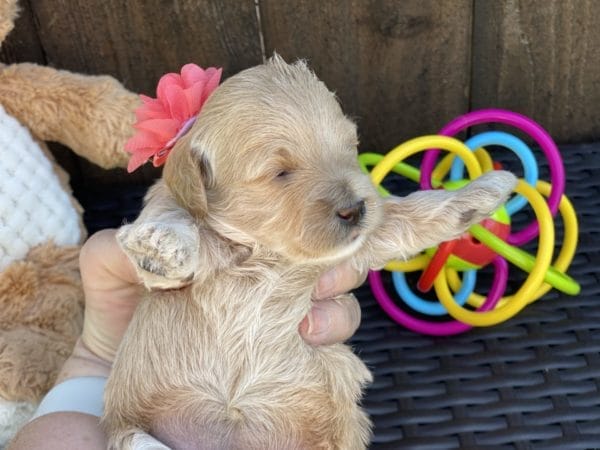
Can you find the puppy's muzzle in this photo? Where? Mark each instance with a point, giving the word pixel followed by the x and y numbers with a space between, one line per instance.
pixel 353 214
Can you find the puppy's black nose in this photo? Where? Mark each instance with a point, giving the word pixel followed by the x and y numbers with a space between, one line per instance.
pixel 352 214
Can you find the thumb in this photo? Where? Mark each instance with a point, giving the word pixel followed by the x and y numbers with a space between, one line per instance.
pixel 331 321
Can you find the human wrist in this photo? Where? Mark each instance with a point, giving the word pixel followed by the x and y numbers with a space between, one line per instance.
pixel 83 363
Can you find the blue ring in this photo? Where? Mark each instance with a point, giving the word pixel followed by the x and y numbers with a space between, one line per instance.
pixel 520 148
pixel 428 307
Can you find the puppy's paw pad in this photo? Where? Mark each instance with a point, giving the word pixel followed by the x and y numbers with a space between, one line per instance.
pixel 166 252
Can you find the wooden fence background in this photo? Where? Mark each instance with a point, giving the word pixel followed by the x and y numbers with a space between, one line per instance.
pixel 401 68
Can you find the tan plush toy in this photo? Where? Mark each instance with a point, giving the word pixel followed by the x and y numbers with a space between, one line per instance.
pixel 41 300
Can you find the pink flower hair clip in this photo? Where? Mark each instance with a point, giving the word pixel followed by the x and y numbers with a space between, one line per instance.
pixel 161 121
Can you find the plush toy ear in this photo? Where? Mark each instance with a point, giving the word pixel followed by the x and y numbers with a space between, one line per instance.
pixel 187 174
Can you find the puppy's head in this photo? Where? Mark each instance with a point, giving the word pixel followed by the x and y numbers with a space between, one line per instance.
pixel 272 160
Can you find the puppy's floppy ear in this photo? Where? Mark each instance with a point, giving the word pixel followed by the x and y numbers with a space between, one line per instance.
pixel 187 175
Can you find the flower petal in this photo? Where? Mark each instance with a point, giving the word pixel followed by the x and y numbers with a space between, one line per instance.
pixel 142 140
pixel 163 129
pixel 138 159
pixel 148 101
pixel 178 105
pixel 167 80
pixel 151 104
pixel 214 77
pixel 179 98
pixel 150 108
pixel 142 114
pixel 193 95
pixel 191 74
pixel 158 161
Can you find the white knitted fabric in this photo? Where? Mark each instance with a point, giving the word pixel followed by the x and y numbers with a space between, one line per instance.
pixel 34 208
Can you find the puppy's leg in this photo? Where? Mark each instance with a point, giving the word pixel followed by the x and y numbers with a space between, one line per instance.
pixel 350 427
pixel 143 441
pixel 134 439
pixel 163 242
pixel 426 218
pixel 165 255
pixel 355 430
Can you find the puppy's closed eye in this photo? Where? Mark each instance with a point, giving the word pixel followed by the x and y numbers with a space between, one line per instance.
pixel 283 164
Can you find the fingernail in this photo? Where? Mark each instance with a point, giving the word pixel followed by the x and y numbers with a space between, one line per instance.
pixel 319 321
pixel 326 285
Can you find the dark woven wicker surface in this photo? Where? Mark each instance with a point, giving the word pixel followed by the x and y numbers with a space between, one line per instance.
pixel 530 383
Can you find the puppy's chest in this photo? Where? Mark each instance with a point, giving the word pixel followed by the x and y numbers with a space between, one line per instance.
pixel 238 308
pixel 234 334
pixel 246 302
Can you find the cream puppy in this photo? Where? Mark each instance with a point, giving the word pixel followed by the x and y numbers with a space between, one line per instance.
pixel 260 198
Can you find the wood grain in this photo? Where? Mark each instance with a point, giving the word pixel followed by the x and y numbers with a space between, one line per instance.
pixel 400 68
pixel 138 41
pixel 23 43
pixel 540 58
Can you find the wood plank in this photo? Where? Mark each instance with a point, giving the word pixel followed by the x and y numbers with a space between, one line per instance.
pixel 23 43
pixel 402 69
pixel 138 41
pixel 540 58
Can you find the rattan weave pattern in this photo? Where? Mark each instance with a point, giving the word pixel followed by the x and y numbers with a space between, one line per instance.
pixel 530 383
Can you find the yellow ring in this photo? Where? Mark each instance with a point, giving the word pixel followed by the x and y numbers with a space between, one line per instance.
pixel 562 262
pixel 419 144
pixel 484 158
pixel 531 284
pixel 419 262
pixel 442 169
pixel 409 148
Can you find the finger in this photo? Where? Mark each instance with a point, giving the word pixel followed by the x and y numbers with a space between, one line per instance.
pixel 112 292
pixel 103 263
pixel 331 321
pixel 339 280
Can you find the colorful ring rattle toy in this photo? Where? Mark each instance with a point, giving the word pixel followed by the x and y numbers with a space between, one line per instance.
pixel 491 241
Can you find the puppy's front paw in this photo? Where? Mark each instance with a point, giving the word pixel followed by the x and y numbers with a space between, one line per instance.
pixel 165 255
pixel 486 194
pixel 143 441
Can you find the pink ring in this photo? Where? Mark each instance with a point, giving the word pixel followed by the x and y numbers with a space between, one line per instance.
pixel 439 328
pixel 525 124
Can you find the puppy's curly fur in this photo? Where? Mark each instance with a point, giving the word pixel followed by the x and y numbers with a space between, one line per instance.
pixel 260 198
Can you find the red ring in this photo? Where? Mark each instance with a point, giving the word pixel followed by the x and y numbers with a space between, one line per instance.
pixel 435 265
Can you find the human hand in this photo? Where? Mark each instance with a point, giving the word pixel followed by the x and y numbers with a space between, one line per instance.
pixel 333 319
pixel 113 291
